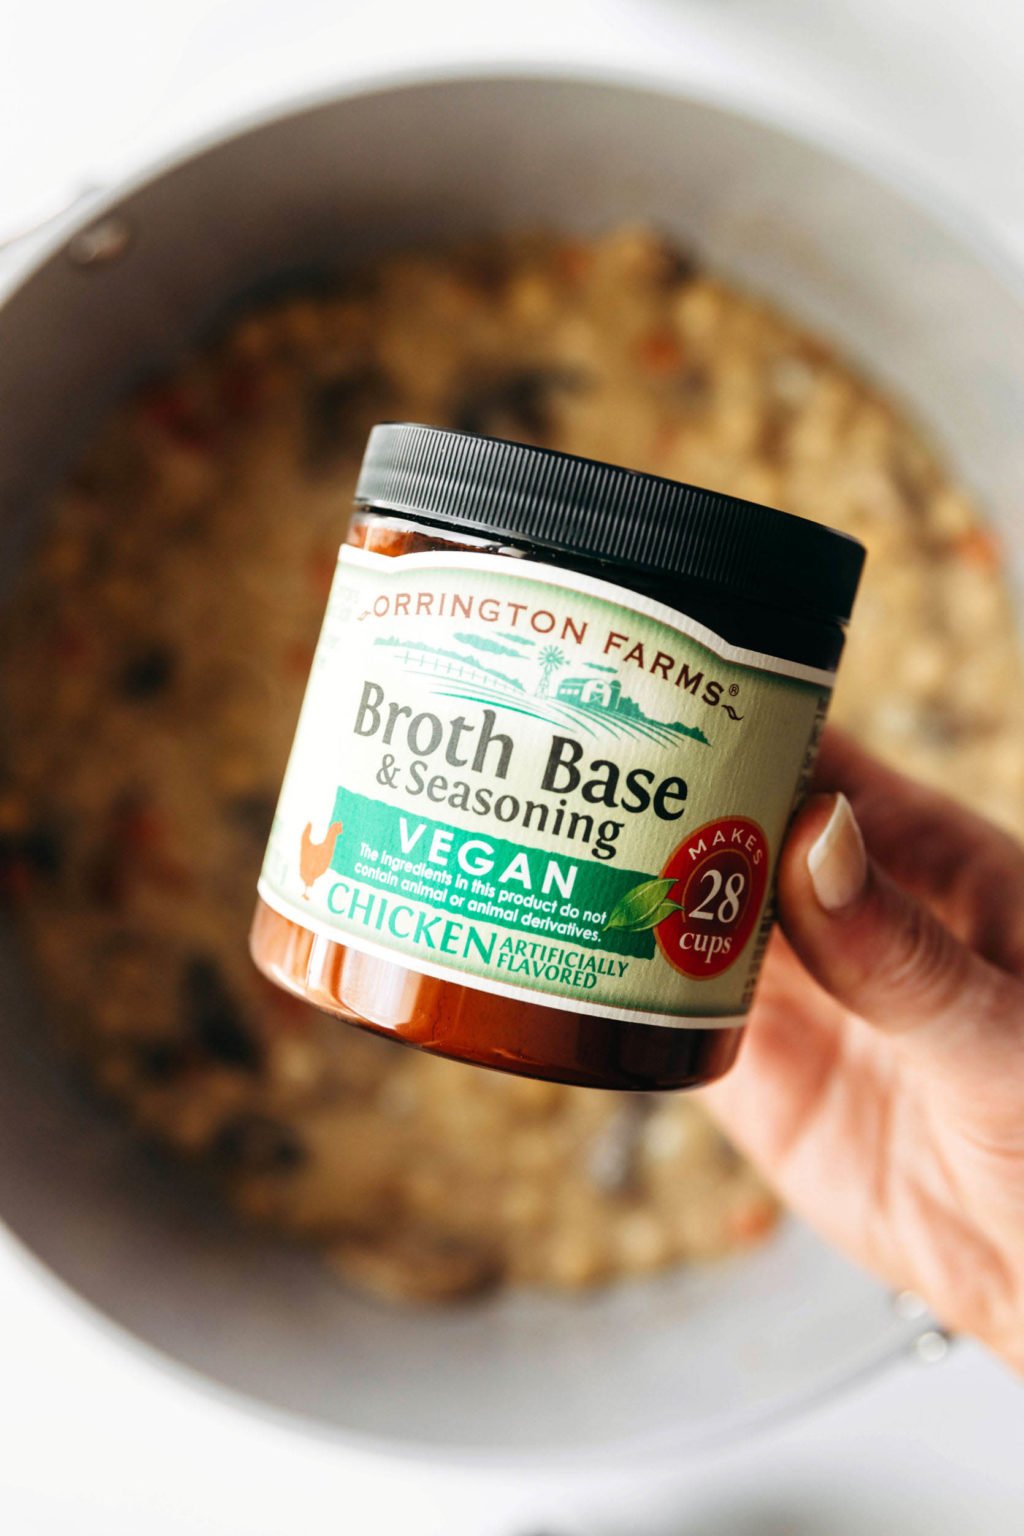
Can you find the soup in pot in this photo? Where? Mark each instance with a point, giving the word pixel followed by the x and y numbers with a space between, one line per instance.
pixel 157 655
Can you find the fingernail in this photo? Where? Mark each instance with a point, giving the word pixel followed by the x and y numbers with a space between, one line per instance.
pixel 837 862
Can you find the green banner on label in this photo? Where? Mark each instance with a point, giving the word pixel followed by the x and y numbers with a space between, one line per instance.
pixel 474 876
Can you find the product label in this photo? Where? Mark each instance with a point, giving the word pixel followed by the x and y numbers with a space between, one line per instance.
pixel 537 783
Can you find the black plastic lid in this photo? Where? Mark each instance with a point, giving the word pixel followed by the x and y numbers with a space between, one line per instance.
pixel 581 507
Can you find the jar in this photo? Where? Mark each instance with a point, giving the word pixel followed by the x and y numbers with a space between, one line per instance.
pixel 558 721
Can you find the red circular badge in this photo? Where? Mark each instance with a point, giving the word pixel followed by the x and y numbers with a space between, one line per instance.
pixel 721 873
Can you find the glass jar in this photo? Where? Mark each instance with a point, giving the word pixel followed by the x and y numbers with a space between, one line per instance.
pixel 558 721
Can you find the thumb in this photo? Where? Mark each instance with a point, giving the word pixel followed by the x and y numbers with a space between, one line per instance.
pixel 883 955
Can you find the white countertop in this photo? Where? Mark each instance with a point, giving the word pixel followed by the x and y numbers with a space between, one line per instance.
pixel 93 1437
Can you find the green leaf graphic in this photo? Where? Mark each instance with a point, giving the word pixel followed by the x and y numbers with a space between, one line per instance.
pixel 663 910
pixel 644 906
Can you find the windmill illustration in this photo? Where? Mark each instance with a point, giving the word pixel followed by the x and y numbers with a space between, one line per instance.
pixel 551 659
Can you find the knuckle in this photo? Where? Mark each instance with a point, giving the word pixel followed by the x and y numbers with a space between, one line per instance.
pixel 997 921
pixel 922 964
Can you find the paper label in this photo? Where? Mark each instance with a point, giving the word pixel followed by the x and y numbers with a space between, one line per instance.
pixel 537 783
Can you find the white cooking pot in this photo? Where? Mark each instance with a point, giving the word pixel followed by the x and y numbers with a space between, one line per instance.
pixel 123 286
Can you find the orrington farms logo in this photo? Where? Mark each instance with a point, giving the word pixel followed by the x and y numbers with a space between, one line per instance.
pixel 529 659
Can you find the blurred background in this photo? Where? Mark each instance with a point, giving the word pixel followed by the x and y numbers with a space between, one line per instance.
pixel 937 87
pixel 96 1437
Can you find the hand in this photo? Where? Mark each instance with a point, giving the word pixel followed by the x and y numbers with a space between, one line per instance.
pixel 881 1083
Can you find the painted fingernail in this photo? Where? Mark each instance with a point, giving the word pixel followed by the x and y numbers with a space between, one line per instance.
pixel 837 862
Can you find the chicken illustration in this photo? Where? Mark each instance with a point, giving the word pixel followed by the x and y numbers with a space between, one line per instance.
pixel 315 858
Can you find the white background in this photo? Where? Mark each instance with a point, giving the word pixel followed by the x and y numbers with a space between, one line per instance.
pixel 97 1439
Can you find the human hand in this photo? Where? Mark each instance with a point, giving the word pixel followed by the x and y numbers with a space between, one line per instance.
pixel 881 1083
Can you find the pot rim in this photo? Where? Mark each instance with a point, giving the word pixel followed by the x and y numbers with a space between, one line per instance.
pixel 643 1448
pixel 960 224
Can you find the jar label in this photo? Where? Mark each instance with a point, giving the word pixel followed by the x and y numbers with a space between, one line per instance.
pixel 537 783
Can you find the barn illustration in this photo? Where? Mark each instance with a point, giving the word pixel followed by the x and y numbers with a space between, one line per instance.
pixel 595 692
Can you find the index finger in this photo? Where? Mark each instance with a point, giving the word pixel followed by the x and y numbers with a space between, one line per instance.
pixel 968 871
